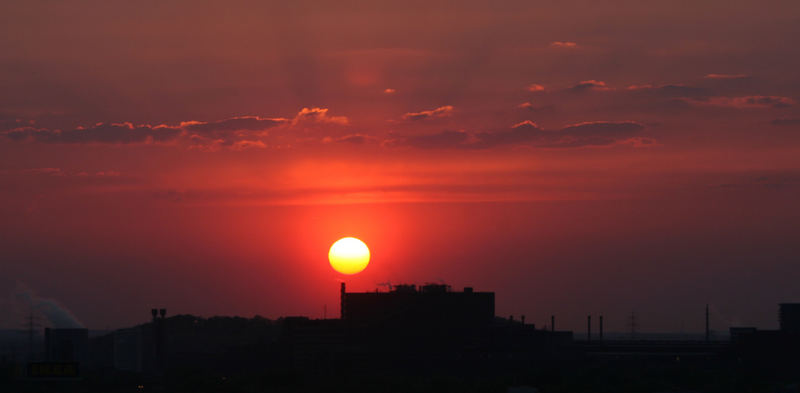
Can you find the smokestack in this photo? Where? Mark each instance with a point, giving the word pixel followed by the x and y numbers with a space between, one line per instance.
pixel 589 328
pixel 522 319
pixel 708 332
pixel 342 296
pixel 600 331
pixel 552 323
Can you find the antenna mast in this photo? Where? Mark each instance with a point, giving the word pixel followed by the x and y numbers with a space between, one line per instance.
pixel 634 324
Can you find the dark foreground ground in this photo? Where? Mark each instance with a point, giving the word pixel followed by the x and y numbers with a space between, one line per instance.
pixel 628 375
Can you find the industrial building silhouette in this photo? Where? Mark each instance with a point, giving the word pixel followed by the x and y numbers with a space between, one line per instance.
pixel 404 331
pixel 433 305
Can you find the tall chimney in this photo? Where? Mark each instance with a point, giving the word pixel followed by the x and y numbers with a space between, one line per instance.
pixel 552 323
pixel 342 296
pixel 708 332
pixel 589 328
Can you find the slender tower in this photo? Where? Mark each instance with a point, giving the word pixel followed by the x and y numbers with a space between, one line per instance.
pixel 552 323
pixel 30 336
pixel 708 332
pixel 633 324
pixel 342 295
pixel 589 328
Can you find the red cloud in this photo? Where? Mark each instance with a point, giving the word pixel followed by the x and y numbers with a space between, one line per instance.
pixel 240 123
pixel 528 133
pixel 115 133
pixel 671 90
pixel 563 44
pixel 319 115
pixel 745 102
pixel 236 133
pixel 534 87
pixel 441 111
pixel 590 85
pixel 536 108
pixel 727 76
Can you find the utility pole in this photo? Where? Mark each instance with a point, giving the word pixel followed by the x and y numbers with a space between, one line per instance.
pixel 31 323
pixel 30 336
pixel 589 328
pixel 633 324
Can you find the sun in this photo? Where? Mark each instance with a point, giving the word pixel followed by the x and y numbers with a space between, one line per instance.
pixel 348 255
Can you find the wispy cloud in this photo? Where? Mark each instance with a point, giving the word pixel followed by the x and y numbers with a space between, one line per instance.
pixel 563 44
pixel 528 106
pixel 319 115
pixel 590 85
pixel 441 111
pixel 535 87
pixel 235 133
pixel 528 133
pixel 669 90
pixel 727 76
pixel 115 133
pixel 744 102
pixel 241 123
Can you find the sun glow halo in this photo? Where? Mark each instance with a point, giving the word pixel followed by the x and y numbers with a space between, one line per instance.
pixel 348 255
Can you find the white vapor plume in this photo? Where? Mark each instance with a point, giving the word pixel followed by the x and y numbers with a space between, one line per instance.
pixel 58 316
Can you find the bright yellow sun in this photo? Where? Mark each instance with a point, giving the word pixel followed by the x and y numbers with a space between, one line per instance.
pixel 349 255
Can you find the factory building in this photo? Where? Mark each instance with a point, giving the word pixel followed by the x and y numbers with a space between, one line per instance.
pixel 789 317
pixel 406 306
pixel 128 349
pixel 66 345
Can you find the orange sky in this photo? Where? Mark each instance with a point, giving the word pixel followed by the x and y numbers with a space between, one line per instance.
pixel 574 157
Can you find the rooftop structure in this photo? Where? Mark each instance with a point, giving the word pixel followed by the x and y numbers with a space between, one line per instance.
pixel 408 305
pixel 789 316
